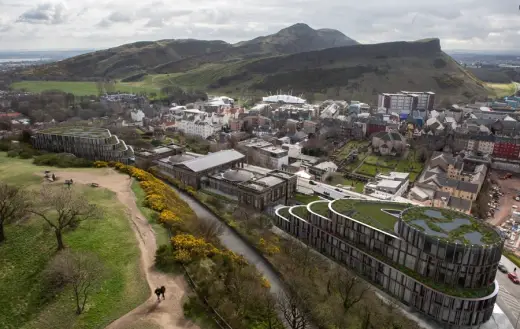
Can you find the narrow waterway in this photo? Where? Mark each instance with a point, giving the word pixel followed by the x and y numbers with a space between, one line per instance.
pixel 231 240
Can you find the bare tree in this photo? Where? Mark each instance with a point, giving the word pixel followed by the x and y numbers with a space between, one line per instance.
pixel 294 314
pixel 80 270
pixel 63 208
pixel 270 311
pixel 209 229
pixel 349 288
pixel 14 204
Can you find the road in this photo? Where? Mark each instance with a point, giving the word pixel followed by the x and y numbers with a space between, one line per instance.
pixel 509 294
pixel 328 190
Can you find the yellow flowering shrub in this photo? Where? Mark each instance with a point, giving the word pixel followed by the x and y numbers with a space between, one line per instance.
pixel 269 248
pixel 155 202
pixel 168 217
pixel 195 247
pixel 182 256
pixel 265 283
pixel 100 164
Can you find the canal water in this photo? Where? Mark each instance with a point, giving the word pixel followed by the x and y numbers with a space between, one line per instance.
pixel 231 240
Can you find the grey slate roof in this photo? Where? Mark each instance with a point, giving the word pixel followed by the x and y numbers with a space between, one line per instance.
pixel 212 160
pixel 459 203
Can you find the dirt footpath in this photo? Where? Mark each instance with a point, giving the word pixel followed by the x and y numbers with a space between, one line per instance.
pixel 167 314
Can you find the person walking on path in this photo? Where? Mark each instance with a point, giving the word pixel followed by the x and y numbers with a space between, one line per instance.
pixel 163 289
pixel 158 293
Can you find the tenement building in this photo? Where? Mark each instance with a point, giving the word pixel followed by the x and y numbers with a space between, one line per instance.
pixel 440 262
pixel 91 143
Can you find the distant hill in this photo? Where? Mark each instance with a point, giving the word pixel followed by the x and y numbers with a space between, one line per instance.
pixel 126 59
pixel 321 63
pixel 353 72
pixel 173 55
pixel 294 39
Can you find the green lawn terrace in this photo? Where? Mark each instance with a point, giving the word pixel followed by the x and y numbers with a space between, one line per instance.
pixel 284 212
pixel 380 215
pixel 85 132
pixel 300 211
pixel 450 226
pixel 320 208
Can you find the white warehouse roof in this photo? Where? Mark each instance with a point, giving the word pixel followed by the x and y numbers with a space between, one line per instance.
pixel 283 98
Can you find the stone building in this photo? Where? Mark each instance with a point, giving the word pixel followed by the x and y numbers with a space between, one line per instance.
pixel 439 262
pixel 145 158
pixel 253 186
pixel 90 143
pixel 192 168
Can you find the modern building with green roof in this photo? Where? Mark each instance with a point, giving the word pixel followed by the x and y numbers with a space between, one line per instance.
pixel 91 143
pixel 440 262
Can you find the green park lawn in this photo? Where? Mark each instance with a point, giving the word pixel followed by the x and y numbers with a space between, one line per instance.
pixel 83 88
pixel 26 300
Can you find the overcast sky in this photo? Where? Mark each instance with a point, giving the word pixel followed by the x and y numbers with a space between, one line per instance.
pixel 460 24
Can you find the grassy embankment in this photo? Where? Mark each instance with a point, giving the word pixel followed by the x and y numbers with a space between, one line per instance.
pixel 26 301
pixel 500 90
pixel 86 88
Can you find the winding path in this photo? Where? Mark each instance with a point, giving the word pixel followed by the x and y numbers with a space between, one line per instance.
pixel 168 314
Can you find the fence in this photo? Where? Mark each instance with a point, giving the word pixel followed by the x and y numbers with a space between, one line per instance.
pixel 219 320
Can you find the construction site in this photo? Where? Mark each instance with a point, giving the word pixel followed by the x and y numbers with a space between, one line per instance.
pixel 504 207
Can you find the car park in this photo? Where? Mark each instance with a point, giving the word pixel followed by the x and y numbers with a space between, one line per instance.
pixel 513 277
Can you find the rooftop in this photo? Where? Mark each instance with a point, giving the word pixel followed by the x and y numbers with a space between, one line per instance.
pixel 450 226
pixel 87 132
pixel 212 160
pixel 321 208
pixel 300 211
pixel 373 213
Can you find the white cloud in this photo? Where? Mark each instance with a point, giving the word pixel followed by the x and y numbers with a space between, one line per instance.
pixel 468 24
pixel 45 13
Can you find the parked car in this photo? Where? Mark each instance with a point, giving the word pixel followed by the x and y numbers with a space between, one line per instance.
pixel 502 268
pixel 512 276
pixel 312 182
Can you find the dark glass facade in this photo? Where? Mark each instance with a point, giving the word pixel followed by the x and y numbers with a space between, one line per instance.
pixel 451 283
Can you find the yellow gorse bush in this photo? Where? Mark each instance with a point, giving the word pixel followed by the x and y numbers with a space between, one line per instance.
pixel 161 198
pixel 100 164
pixel 168 217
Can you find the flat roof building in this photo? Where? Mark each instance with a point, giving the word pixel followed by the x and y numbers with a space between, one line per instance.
pixel 91 143
pixel 441 263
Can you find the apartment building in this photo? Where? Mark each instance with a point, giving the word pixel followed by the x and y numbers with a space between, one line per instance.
pixel 425 99
pixel 419 255
pixel 91 143
pixel 264 153
pixel 399 103
pixel 199 123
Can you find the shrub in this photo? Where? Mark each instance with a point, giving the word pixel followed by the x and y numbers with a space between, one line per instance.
pixel 100 164
pixel 61 160
pixel 13 153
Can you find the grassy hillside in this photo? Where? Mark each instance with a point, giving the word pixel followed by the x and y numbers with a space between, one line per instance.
pixel 26 301
pixel 354 72
pixel 136 58
pixel 125 60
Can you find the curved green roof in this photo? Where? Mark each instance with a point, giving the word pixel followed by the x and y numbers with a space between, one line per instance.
pixel 373 213
pixel 450 225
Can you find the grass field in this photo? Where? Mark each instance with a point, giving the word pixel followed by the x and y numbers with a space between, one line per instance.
pixel 500 90
pixel 25 300
pixel 86 88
